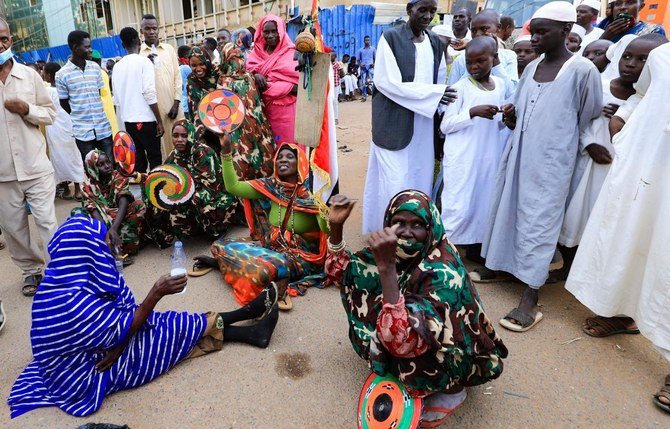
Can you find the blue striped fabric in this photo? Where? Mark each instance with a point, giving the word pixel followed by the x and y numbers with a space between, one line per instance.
pixel 83 306
pixel 82 88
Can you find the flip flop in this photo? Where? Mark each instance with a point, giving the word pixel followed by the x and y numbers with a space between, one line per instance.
pixel 607 325
pixel 477 276
pixel 448 412
pixel 665 392
pixel 285 303
pixel 525 320
pixel 199 271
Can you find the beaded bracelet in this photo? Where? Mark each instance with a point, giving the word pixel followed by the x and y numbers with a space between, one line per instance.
pixel 336 248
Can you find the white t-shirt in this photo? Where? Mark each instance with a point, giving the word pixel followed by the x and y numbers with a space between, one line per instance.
pixel 134 81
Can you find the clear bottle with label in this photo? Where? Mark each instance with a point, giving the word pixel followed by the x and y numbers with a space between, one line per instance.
pixel 178 261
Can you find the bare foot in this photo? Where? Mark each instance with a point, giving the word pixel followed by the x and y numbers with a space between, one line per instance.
pixel 528 303
pixel 202 261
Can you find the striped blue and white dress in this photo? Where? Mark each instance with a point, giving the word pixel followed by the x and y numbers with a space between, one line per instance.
pixel 84 306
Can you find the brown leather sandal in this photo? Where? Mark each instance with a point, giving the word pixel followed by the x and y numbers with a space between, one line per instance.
pixel 663 393
pixel 601 327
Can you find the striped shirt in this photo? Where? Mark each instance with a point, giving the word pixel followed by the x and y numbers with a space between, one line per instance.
pixel 82 306
pixel 82 88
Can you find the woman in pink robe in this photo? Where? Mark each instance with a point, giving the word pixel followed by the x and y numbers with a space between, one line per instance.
pixel 273 65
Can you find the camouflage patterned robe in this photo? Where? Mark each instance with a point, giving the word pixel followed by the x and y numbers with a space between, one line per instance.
pixel 444 313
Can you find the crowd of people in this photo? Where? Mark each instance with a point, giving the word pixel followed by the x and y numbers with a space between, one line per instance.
pixel 538 158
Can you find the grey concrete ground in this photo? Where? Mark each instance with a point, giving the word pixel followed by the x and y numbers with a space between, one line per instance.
pixel 309 377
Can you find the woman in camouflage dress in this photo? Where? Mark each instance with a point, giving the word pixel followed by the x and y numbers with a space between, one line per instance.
pixel 107 198
pixel 252 143
pixel 201 81
pixel 412 309
pixel 211 210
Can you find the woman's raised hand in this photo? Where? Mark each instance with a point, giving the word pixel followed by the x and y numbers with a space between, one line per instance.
pixel 383 244
pixel 226 144
pixel 340 209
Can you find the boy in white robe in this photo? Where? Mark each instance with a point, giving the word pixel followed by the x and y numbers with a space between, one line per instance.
pixel 487 23
pixel 598 150
pixel 559 94
pixel 472 147
pixel 621 267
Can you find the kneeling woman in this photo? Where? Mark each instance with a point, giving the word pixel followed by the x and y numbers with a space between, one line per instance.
pixel 211 210
pixel 90 339
pixel 412 309
pixel 107 198
pixel 292 237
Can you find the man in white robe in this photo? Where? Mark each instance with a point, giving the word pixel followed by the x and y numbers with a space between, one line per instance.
pixel 558 96
pixel 621 267
pixel 409 88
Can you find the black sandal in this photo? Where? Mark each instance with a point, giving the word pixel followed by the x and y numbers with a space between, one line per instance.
pixel 665 393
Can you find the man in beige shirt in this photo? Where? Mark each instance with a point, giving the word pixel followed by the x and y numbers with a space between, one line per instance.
pixel 26 174
pixel 168 77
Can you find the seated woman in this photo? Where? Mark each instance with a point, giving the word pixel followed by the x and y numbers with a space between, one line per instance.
pixel 292 246
pixel 211 210
pixel 90 339
pixel 412 309
pixel 253 145
pixel 273 64
pixel 202 80
pixel 107 198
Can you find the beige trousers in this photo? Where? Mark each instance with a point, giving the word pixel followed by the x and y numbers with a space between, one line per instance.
pixel 40 194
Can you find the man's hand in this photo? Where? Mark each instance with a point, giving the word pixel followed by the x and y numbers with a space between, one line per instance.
pixel 610 109
pixel 509 116
pixel 174 110
pixel 459 44
pixel 17 106
pixel 261 83
pixel 450 95
pixel 383 244
pixel 599 154
pixel 159 129
pixel 615 28
pixel 486 111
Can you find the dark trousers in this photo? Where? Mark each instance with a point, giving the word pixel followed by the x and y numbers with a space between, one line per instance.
pixel 147 145
pixel 105 145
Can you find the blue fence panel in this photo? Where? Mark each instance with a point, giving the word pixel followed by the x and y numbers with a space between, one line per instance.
pixel 109 47
pixel 343 30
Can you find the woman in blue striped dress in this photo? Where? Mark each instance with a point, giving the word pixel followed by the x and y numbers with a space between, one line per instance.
pixel 90 339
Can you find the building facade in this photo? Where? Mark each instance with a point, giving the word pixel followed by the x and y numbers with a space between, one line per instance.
pixel 37 24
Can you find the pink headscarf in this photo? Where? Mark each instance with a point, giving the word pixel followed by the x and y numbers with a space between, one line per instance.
pixel 277 67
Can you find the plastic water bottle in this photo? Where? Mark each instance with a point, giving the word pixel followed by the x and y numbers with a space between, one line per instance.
pixel 178 266
pixel 118 261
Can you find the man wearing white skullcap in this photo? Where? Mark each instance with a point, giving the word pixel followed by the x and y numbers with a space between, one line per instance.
pixel 524 52
pixel 557 97
pixel 587 13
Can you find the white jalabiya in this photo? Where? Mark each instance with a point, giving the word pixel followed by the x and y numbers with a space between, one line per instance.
pixel 472 152
pixel 622 265
pixel 590 37
pixel 390 172
pixel 63 152
pixel 593 176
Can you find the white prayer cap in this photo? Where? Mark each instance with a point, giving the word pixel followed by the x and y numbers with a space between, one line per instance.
pixel 524 38
pixel 560 11
pixel 443 30
pixel 593 4
pixel 579 30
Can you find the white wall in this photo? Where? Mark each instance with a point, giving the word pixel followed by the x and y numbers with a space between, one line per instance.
pixel 59 20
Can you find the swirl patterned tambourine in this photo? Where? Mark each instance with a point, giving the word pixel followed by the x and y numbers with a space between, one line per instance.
pixel 385 403
pixel 124 152
pixel 168 186
pixel 221 111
